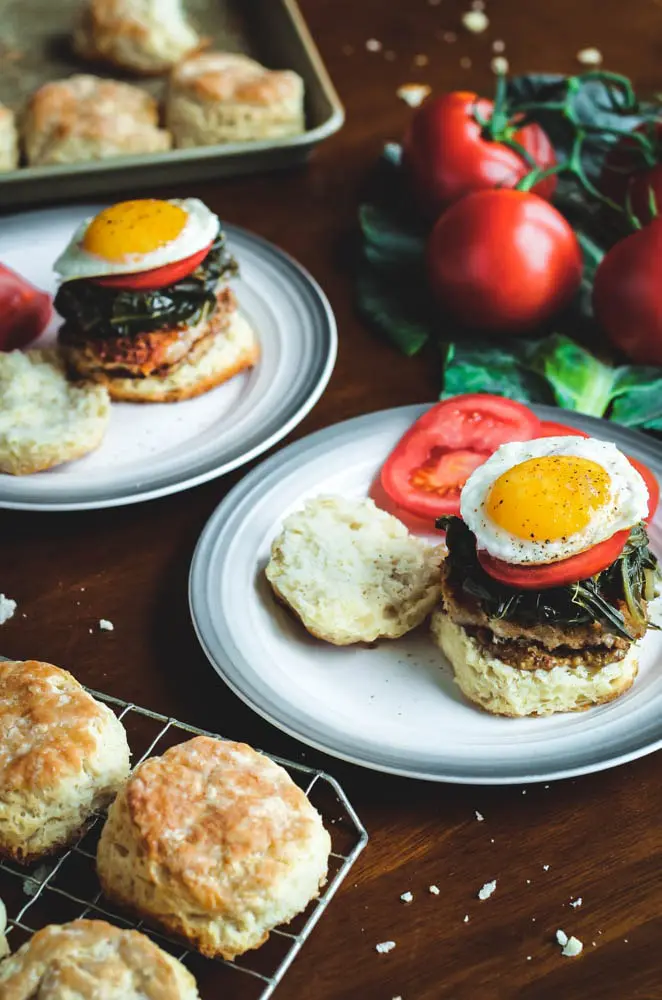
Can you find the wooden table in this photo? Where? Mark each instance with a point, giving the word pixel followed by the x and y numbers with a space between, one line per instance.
pixel 596 837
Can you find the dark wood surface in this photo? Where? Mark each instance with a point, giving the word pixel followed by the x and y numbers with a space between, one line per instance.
pixel 599 835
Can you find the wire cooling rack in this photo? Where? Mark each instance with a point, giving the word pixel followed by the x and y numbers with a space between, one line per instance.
pixel 66 888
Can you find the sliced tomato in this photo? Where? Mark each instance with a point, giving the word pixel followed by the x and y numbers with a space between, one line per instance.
pixel 549 429
pixel 157 277
pixel 428 467
pixel 651 483
pixel 25 311
pixel 557 574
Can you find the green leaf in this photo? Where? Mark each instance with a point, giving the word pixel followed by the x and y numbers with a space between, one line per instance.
pixel 637 396
pixel 388 240
pixel 398 310
pixel 578 379
pixel 475 365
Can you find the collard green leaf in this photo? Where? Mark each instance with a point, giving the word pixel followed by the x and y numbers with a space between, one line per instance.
pixel 399 310
pixel 474 365
pixel 578 379
pixel 637 395
pixel 388 240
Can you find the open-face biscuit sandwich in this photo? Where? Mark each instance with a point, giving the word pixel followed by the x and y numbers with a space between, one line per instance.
pixel 226 97
pixel 353 573
pixel 145 36
pixel 87 118
pixel 215 842
pixel 63 755
pixel 548 577
pixel 93 960
pixel 147 307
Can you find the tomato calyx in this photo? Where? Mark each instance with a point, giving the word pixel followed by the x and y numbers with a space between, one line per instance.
pixel 503 125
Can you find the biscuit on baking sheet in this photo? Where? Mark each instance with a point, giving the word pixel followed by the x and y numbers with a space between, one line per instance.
pixel 8 140
pixel 217 97
pixel 353 573
pixel 45 419
pixel 93 960
pixel 63 755
pixel 215 842
pixel 146 36
pixel 86 118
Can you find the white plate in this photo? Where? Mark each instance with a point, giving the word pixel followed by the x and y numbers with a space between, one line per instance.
pixel 394 707
pixel 156 449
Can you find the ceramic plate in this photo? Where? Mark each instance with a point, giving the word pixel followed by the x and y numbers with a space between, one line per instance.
pixel 394 707
pixel 152 450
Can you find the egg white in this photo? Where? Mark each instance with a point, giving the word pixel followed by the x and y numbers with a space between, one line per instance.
pixel 200 229
pixel 627 504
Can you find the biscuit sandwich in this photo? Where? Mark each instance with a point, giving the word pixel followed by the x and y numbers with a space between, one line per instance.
pixel 147 308
pixel 548 579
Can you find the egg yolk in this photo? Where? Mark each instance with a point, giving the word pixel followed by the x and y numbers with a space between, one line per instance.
pixel 548 499
pixel 134 227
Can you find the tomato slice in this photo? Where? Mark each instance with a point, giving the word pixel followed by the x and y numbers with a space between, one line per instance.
pixel 428 467
pixel 557 574
pixel 157 277
pixel 25 311
pixel 549 429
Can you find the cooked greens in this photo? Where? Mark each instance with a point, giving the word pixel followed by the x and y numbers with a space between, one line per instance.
pixel 631 579
pixel 92 312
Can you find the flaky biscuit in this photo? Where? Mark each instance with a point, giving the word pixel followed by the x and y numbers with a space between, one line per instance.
pixel 8 140
pixel 93 960
pixel 218 97
pixel 63 755
pixel 215 842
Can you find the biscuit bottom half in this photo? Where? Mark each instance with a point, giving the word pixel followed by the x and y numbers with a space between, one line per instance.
pixel 502 689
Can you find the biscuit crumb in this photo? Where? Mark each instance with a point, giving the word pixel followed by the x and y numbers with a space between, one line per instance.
pixel 105 625
pixel 466 918
pixel 500 66
pixel 576 902
pixel 421 60
pixel 449 36
pixel 545 868
pixel 486 891
pixel 465 62
pixel 372 45
pixel 7 609
pixel 498 45
pixel 480 817
pixel 562 938
pixel 413 94
pixel 434 889
pixel 384 947
pixel 572 948
pixel 407 897
pixel 589 57
pixel 475 21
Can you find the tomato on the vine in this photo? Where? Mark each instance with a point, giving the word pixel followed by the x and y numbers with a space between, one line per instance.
pixel 503 260
pixel 627 294
pixel 632 172
pixel 448 153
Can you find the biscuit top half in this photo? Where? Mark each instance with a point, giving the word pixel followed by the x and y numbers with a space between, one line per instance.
pixel 226 76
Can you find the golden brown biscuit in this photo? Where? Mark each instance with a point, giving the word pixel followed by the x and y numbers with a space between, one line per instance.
pixel 87 118
pixel 93 960
pixel 215 842
pixel 8 140
pixel 63 755
pixel 218 97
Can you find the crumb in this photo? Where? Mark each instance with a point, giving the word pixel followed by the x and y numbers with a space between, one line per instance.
pixel 348 50
pixel 528 958
pixel 486 891
pixel 491 840
pixel 389 55
pixel 91 631
pixel 528 881
pixel 572 948
pixel 466 918
pixel 465 62
pixel 407 897
pixel 545 868
pixel 449 36
pixel 7 609
pixel 33 882
pixel 562 938
pixel 105 625
pixel 82 588
pixel 434 889
pixel 625 940
pixel 372 45
pixel 421 60
pixel 413 94
pixel 479 816
pixel 500 66
pixel 499 46
pixel 576 902
pixel 533 920
pixel 545 786
pixel 384 947
pixel 23 614
pixel 475 21
pixel 589 57
pixel 594 943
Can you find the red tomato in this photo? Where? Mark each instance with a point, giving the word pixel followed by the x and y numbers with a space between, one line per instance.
pixel 627 294
pixel 557 574
pixel 25 311
pixel 428 467
pixel 548 429
pixel 158 277
pixel 627 173
pixel 448 155
pixel 503 261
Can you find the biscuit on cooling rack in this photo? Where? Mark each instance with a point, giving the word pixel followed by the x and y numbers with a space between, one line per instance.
pixel 88 959
pixel 215 842
pixel 63 755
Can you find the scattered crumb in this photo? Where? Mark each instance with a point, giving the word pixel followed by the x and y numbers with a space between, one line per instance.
pixel 491 840
pixel 407 897
pixel 479 816
pixel 372 45
pixel 625 940
pixel 91 631
pixel 449 36
pixel 528 958
pixel 576 902
pixel 498 45
pixel 545 786
pixel 500 66
pixel 533 920
pixel 475 21
pixel 562 938
pixel 384 947
pixel 545 868
pixel 528 881
pixel 23 614
pixel 413 94
pixel 524 791
pixel 486 891
pixel 434 889
pixel 421 60
pixel 31 885
pixel 82 588
pixel 7 609
pixel 389 55
pixel 348 50
pixel 466 919
pixel 105 625
pixel 465 62
pixel 594 943
pixel 589 57
pixel 573 948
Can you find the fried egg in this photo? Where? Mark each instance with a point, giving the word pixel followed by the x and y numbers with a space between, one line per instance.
pixel 541 501
pixel 139 235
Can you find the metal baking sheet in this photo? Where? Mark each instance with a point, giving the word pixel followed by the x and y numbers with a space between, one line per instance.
pixel 35 47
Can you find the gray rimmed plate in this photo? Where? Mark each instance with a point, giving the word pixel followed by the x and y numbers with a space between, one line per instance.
pixel 156 449
pixel 394 707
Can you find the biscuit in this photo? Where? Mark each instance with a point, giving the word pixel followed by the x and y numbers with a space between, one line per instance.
pixel 86 118
pixel 215 842
pixel 219 97
pixel 90 960
pixel 8 140
pixel 146 36
pixel 45 419
pixel 353 573
pixel 502 689
pixel 63 755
